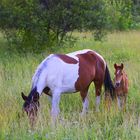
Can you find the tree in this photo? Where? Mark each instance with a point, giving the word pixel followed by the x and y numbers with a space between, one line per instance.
pixel 35 24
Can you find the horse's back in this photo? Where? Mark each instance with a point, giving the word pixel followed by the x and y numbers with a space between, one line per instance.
pixel 66 71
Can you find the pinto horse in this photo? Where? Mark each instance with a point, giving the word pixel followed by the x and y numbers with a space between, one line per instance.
pixel 121 85
pixel 67 73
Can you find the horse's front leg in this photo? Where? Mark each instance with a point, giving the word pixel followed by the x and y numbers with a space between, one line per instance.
pixel 55 105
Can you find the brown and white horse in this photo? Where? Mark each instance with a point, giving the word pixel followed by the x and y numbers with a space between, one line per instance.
pixel 67 73
pixel 121 85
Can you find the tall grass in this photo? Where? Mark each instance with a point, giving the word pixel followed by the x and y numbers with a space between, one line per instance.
pixel 16 71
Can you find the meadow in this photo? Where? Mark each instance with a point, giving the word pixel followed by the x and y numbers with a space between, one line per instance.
pixel 16 71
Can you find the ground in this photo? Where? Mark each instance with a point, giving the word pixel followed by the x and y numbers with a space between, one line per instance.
pixel 16 71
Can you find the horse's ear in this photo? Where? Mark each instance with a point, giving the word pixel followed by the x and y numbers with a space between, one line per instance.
pixel 115 65
pixel 122 65
pixel 23 96
pixel 36 97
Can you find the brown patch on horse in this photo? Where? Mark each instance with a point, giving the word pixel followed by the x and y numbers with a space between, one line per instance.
pixel 91 68
pixel 67 59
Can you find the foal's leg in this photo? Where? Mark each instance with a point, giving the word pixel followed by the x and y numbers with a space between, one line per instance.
pixel 119 100
pixel 98 86
pixel 124 102
pixel 84 95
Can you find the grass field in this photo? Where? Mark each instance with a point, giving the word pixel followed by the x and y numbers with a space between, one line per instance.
pixel 16 71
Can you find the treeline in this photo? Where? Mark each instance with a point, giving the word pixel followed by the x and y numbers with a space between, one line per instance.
pixel 37 24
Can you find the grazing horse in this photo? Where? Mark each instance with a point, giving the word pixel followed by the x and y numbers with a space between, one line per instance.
pixel 67 73
pixel 121 85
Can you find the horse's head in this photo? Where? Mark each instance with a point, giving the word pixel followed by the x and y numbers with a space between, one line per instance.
pixel 118 74
pixel 31 106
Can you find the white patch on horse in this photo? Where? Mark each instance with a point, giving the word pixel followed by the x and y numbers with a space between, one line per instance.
pixel 64 77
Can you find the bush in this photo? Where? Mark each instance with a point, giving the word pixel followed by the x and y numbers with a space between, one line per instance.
pixel 119 14
pixel 37 24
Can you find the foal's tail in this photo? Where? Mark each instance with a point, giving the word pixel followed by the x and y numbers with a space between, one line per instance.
pixel 109 87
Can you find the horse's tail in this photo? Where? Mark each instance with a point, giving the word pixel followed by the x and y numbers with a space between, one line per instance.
pixel 109 87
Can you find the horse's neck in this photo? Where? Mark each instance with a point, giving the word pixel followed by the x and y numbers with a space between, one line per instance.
pixel 32 92
pixel 40 84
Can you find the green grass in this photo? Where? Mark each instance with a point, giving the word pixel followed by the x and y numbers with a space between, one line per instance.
pixel 16 71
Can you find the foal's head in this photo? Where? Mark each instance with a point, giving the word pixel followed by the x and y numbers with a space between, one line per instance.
pixel 31 105
pixel 118 75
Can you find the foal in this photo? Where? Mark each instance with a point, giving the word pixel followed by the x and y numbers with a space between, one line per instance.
pixel 121 85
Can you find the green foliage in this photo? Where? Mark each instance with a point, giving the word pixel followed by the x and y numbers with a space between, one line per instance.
pixel 37 24
pixel 119 14
pixel 136 14
pixel 22 24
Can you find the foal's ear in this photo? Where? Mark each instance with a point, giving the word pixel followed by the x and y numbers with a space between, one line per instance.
pixel 36 97
pixel 24 97
pixel 122 66
pixel 115 65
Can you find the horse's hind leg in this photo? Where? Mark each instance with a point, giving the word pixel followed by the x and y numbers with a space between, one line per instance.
pixel 98 86
pixel 84 95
